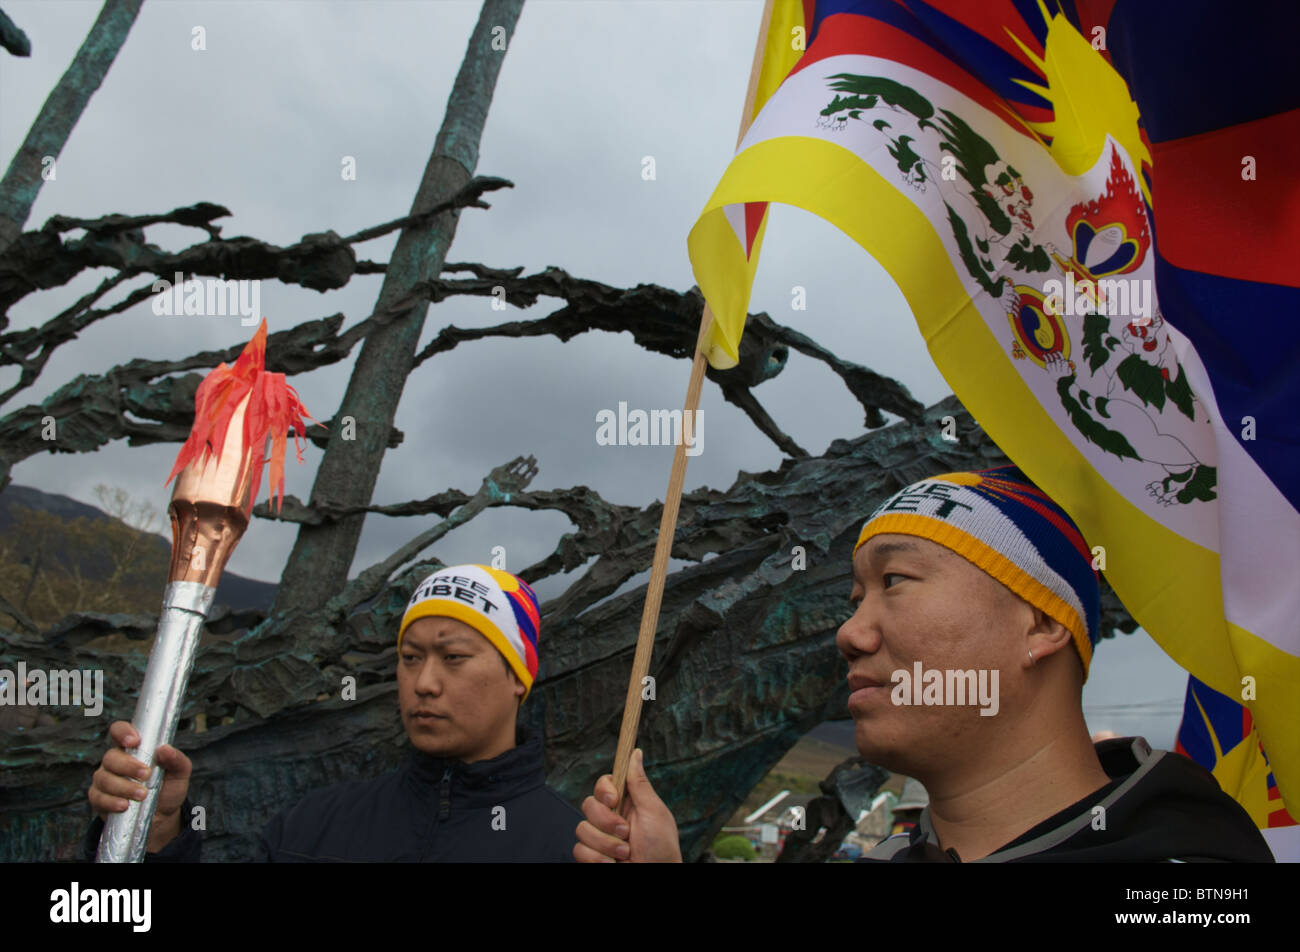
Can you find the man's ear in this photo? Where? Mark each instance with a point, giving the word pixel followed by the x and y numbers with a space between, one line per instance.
pixel 520 690
pixel 1046 636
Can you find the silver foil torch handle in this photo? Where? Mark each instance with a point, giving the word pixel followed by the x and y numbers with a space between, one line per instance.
pixel 184 609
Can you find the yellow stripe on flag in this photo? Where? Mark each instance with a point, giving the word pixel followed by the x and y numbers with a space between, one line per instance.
pixel 779 53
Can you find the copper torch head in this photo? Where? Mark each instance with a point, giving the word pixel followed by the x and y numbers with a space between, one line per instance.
pixel 210 507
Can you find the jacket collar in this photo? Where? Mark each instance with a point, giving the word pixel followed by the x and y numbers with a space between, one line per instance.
pixel 1130 758
pixel 513 772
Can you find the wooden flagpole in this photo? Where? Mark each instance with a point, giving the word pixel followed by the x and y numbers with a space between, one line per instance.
pixel 676 478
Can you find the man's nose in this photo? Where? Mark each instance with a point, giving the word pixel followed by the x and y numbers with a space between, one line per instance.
pixel 429 680
pixel 858 635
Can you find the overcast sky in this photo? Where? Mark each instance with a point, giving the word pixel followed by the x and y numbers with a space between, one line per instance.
pixel 260 121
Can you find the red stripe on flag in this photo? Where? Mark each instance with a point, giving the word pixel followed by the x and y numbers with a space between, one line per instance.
pixel 847 34
pixel 1210 219
pixel 1280 818
pixel 754 212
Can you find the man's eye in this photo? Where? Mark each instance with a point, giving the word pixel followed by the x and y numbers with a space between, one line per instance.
pixel 451 657
pixel 408 658
pixel 888 575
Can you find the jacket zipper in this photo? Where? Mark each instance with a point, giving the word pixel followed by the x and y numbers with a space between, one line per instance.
pixel 444 799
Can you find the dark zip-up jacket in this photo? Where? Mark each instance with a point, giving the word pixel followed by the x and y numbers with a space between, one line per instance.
pixel 1158 807
pixel 430 810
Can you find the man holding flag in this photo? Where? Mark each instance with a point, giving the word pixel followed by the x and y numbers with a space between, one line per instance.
pixel 971 572
pixel 1091 209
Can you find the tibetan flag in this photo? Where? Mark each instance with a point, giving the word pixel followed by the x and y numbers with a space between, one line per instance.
pixel 1218 733
pixel 1092 210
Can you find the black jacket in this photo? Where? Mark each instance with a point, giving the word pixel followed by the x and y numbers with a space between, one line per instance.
pixel 1159 807
pixel 429 810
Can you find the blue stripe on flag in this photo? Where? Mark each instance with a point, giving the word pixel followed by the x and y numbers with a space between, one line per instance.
pixel 1198 65
pixel 980 56
pixel 1033 18
pixel 886 11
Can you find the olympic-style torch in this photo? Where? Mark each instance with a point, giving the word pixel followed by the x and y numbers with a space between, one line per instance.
pixel 237 411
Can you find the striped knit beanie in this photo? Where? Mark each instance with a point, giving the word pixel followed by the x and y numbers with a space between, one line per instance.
pixel 1004 524
pixel 499 606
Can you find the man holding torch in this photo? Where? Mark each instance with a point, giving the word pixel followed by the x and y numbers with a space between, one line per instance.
pixel 473 788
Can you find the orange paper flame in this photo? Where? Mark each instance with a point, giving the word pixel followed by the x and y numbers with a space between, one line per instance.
pixel 273 407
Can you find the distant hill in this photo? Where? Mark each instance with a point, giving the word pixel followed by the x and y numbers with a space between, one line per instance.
pixel 234 590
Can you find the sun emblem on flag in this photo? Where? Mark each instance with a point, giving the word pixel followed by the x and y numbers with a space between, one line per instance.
pixel 1090 101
